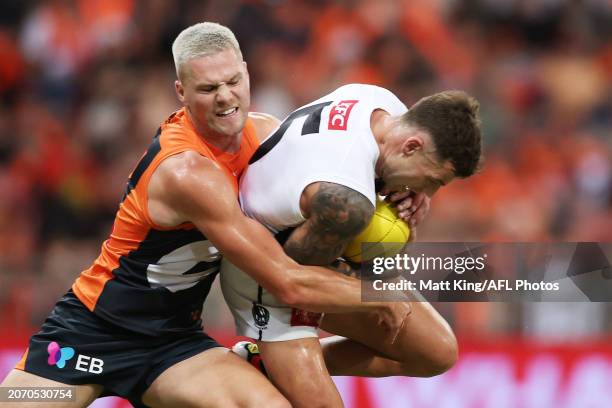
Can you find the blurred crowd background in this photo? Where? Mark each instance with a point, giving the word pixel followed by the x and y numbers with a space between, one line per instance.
pixel 84 85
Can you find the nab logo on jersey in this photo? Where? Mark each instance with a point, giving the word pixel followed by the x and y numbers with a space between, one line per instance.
pixel 339 115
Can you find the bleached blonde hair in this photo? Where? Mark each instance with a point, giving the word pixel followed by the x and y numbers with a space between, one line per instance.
pixel 202 39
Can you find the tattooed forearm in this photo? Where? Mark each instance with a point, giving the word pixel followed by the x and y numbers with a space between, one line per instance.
pixel 337 214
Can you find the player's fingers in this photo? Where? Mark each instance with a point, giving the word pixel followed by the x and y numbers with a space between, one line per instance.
pixel 402 196
pixel 413 235
pixel 405 215
pixel 403 199
pixel 419 198
pixel 418 216
pixel 419 211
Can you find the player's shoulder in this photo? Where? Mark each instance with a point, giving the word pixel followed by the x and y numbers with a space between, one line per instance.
pixel 358 87
pixel 264 123
pixel 178 181
pixel 178 169
pixel 363 88
pixel 374 94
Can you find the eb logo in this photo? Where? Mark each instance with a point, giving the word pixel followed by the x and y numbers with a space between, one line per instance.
pixel 58 356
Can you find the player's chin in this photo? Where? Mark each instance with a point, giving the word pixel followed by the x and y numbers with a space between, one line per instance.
pixel 232 125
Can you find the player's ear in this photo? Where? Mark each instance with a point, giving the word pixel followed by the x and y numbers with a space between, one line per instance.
pixel 180 91
pixel 412 144
pixel 246 71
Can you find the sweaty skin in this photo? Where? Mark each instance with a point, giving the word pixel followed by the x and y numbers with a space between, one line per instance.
pixel 190 187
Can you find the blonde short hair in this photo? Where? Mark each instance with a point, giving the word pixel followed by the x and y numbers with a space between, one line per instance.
pixel 202 39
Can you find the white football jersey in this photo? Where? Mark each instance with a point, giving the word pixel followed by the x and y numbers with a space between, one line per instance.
pixel 328 140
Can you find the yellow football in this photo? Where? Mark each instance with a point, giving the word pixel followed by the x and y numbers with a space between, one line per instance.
pixel 384 228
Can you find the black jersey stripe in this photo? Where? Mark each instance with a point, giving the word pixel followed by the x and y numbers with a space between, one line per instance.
pixel 311 125
pixel 159 243
pixel 203 266
pixel 133 266
pixel 152 151
pixel 313 121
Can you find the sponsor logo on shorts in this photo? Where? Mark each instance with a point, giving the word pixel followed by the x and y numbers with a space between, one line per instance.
pixel 339 115
pixel 89 364
pixel 261 315
pixel 59 355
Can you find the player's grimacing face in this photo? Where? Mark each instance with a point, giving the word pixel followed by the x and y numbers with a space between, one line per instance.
pixel 215 90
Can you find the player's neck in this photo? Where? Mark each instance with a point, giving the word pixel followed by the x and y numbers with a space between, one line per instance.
pixel 220 141
pixel 224 143
pixel 382 124
pixel 378 126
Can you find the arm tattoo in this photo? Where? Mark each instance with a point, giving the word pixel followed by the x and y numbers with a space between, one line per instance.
pixel 337 215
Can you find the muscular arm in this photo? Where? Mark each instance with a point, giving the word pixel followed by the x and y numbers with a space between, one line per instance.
pixel 336 214
pixel 193 188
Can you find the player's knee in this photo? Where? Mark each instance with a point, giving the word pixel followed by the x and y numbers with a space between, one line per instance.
pixel 443 356
pixel 447 357
pixel 318 389
pixel 438 357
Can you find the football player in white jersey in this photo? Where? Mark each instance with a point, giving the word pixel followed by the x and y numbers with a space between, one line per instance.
pixel 312 183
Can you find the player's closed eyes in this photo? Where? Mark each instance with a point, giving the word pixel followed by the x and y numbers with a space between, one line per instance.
pixel 211 88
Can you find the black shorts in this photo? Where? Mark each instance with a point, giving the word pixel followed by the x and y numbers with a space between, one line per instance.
pixel 74 346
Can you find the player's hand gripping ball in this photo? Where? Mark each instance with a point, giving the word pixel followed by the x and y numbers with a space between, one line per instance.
pixel 384 228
